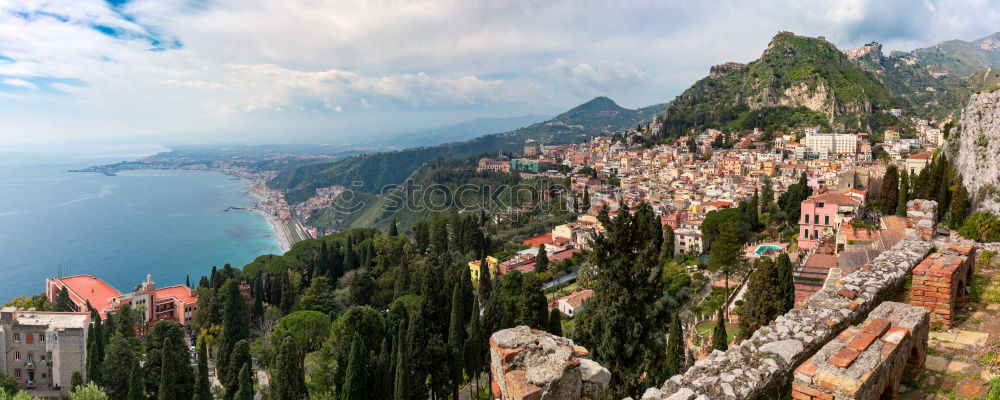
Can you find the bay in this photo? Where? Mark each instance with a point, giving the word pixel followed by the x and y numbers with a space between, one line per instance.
pixel 169 224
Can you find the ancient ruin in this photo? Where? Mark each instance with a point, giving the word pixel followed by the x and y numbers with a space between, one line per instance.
pixel 866 362
pixel 921 216
pixel 528 364
pixel 939 282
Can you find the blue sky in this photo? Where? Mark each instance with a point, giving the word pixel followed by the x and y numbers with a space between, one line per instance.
pixel 213 71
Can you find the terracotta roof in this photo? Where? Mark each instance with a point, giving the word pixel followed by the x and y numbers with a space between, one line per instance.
pixel 576 299
pixel 834 197
pixel 821 261
pixel 537 240
pixel 180 292
pixel 921 156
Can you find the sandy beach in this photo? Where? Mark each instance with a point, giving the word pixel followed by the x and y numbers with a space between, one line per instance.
pixel 280 231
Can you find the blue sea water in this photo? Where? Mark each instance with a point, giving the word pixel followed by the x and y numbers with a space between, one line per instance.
pixel 170 224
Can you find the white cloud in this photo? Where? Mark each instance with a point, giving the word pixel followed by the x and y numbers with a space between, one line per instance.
pixel 18 83
pixel 363 64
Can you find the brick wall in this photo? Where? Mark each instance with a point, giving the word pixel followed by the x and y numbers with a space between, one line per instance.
pixel 939 282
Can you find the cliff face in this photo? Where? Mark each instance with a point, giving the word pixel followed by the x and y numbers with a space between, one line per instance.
pixel 976 150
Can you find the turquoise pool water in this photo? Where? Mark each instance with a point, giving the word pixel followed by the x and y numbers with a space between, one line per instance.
pixel 764 248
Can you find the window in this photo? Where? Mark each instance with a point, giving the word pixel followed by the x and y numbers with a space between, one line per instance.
pixel 805 233
pixel 826 220
pixel 17 338
pixel 807 218
pixel 816 218
pixel 17 355
pixel 41 338
pixel 815 234
pixel 31 356
pixel 17 372
pixel 820 204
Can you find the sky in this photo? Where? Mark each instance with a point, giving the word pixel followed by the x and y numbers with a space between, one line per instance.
pixel 340 71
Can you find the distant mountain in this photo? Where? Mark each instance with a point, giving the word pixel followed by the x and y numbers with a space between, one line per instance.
pixel 376 170
pixel 958 57
pixel 795 75
pixel 461 131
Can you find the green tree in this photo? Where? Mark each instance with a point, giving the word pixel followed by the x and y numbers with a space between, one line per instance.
pixel 288 380
pixel 202 384
pixel 903 196
pixel 362 288
pixel 720 340
pixel 981 226
pixel 786 281
pixel 235 325
pixel 542 260
pixel 118 355
pixel 320 296
pixel 168 381
pixel 354 381
pixel 959 206
pixel 889 192
pixel 75 380
pixel 400 374
pixel 393 229
pixel 533 310
pixel 179 362
pixel 8 385
pixel 555 322
pixel 137 385
pixel 627 278
pixel 89 391
pixel 246 391
pixel 456 340
pixel 727 252
pixel 763 302
pixel 766 194
pixel 63 303
pixel 475 350
pixel 675 347
pixel 422 236
pixel 309 329
pixel 667 250
pixel 239 357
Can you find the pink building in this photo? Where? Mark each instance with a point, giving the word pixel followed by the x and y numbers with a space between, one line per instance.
pixel 822 213
pixel 172 303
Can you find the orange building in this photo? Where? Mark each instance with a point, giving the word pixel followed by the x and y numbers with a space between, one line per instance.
pixel 172 303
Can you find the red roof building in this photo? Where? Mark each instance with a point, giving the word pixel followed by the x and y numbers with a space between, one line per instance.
pixel 174 303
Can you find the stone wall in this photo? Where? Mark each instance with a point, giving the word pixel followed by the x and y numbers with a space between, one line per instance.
pixel 528 364
pixel 921 216
pixel 763 364
pixel 867 361
pixel 940 280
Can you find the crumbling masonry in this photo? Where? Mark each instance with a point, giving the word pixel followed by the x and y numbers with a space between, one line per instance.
pixel 940 280
pixel 528 364
pixel 866 362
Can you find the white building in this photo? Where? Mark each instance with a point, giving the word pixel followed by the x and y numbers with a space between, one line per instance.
pixel 831 143
pixel 42 350
pixel 688 241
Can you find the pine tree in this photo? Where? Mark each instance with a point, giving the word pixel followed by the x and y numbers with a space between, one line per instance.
pixel 235 326
pixel 766 194
pixel 75 380
pixel 542 260
pixel 237 358
pixel 393 229
pixel 474 348
pixel 555 322
pixel 400 382
pixel 179 363
pixel 675 347
pixel 904 193
pixel 959 205
pixel 168 389
pixel 258 300
pixel 288 381
pixel 202 384
pixel 118 355
pixel 63 303
pixel 354 379
pixel 94 356
pixel 246 391
pixel 456 339
pixel 720 340
pixel 727 252
pixel 889 193
pixel 485 281
pixel 137 386
pixel 667 250
pixel 786 282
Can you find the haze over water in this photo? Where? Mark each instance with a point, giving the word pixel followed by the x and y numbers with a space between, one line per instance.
pixel 166 223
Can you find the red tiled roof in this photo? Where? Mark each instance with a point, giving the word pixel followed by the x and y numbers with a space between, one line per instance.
pixel 921 156
pixel 821 261
pixel 538 240
pixel 835 198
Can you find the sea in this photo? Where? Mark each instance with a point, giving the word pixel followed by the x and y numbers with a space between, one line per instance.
pixel 172 225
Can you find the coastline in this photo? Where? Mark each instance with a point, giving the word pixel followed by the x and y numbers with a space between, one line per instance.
pixel 280 230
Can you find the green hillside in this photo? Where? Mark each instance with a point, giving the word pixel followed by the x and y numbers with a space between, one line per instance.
pixel 794 71
pixel 375 171
pixel 958 57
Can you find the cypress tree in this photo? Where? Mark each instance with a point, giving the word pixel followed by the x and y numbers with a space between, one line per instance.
pixel 959 205
pixel 136 387
pixel 237 358
pixel 168 389
pixel 63 303
pixel 288 379
pixel 416 356
pixel 235 326
pixel 675 347
pixel 542 260
pixel 485 281
pixel 94 357
pixel 889 192
pixel 720 340
pixel 246 390
pixel 258 300
pixel 555 322
pixel 202 384
pixel 119 355
pixel 75 380
pixel 400 383
pixel 354 380
pixel 456 340
pixel 786 282
pixel 393 229
pixel 763 301
pixel 766 194
pixel 667 250
pixel 474 348
pixel 904 193
pixel 187 280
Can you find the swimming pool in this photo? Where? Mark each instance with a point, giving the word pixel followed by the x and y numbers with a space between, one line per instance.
pixel 765 248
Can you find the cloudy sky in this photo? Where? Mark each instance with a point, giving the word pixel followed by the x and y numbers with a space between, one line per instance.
pixel 204 71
